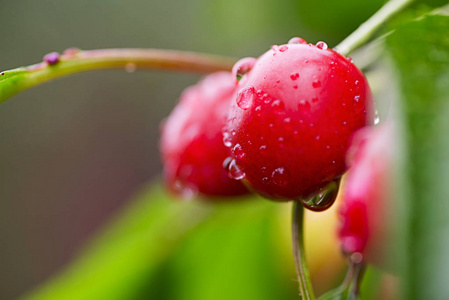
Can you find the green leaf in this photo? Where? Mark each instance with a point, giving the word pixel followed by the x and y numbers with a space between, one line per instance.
pixel 420 51
pixel 131 250
pixel 164 249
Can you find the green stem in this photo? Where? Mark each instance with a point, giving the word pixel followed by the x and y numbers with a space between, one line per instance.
pixel 17 80
pixel 305 284
pixel 371 26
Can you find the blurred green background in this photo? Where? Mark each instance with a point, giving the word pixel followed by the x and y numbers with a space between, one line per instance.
pixel 75 150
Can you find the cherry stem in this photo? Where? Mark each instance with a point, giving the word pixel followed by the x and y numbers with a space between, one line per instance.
pixel 305 285
pixel 365 31
pixel 76 61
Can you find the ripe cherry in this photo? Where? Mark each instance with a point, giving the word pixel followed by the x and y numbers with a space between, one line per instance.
pixel 192 143
pixel 367 195
pixel 290 124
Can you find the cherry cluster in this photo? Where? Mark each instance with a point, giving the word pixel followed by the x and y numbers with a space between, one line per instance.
pixel 279 125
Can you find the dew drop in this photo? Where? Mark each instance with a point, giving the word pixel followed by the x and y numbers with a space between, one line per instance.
pixel 263 150
pixel 356 82
pixel 278 106
pixel 324 198
pixel 3 73
pixel 357 98
pixel 376 118
pixel 238 151
pixel 344 122
pixel 297 40
pixel 294 76
pixel 245 97
pixel 287 120
pixel 186 190
pixel 227 162
pixel 283 48
pixel 234 171
pixel 321 45
pixel 280 176
pixel 227 139
pixel 242 67
pixel 130 67
pixel 350 60
pixel 316 83
pixel 265 180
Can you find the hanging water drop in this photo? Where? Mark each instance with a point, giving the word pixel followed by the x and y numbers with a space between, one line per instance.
pixel 324 198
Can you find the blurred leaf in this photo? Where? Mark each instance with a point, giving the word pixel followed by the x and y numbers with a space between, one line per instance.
pixel 420 51
pixel 161 249
pixel 129 252
pixel 335 20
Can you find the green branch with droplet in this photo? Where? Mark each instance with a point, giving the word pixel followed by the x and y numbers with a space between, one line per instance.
pixel 75 61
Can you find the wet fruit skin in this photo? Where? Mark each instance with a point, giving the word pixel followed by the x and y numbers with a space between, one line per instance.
pixel 290 125
pixel 366 198
pixel 192 144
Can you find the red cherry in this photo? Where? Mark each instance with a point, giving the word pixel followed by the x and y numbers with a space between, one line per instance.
pixel 192 142
pixel 292 120
pixel 367 194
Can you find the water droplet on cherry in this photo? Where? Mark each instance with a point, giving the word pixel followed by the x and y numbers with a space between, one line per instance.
pixel 280 176
pixel 297 40
pixel 234 171
pixel 245 97
pixel 238 151
pixel 278 106
pixel 321 45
